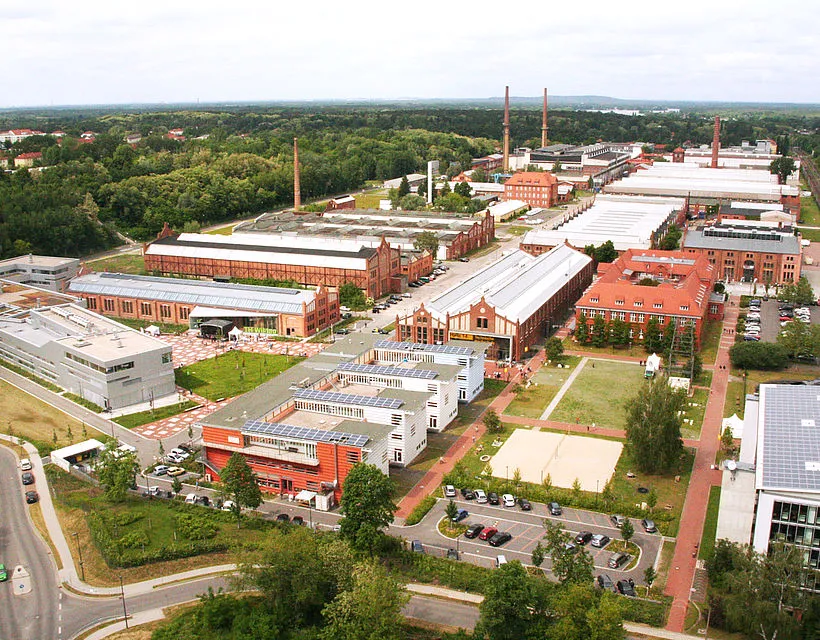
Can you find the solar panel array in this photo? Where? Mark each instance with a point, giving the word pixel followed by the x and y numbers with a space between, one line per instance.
pixel 424 374
pixel 348 398
pixel 431 348
pixel 304 433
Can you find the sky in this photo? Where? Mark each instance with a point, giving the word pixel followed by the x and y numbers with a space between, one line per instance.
pixel 147 51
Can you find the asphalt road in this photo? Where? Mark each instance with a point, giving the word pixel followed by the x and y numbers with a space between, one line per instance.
pixel 32 615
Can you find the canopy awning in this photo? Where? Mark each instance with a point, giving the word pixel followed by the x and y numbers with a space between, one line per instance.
pixel 152 330
pixel 305 496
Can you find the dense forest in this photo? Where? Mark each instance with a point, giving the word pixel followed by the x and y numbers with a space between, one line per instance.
pixel 237 162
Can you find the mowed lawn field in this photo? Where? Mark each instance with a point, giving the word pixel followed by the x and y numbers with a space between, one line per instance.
pixel 548 380
pixel 600 393
pixel 231 374
pixel 132 263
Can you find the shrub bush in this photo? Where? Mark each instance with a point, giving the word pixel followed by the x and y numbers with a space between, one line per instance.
pixel 758 355
pixel 134 539
pixel 195 526
pixel 421 510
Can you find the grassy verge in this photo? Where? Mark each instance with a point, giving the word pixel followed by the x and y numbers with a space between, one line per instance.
pixel 531 403
pixel 667 554
pixel 231 374
pixel 137 324
pixel 809 211
pixel 695 410
pixel 450 529
pixel 421 510
pixel 324 335
pixel 152 415
pixel 517 230
pixel 483 251
pixel 636 351
pixel 710 341
pixel 735 400
pixel 810 234
pixel 30 376
pixel 222 231
pixel 707 540
pixel 132 263
pixel 370 200
pixel 83 402
pixel 39 521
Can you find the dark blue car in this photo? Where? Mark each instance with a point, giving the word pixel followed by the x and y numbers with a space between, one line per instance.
pixel 461 515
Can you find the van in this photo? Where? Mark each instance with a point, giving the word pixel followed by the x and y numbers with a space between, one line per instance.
pixel 499 560
pixel 25 464
pixel 191 498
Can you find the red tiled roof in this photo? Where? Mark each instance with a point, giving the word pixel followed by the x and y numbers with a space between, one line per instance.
pixel 532 178
pixel 32 154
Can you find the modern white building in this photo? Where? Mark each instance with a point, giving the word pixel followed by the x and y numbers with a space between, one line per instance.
pixel 47 272
pixel 630 222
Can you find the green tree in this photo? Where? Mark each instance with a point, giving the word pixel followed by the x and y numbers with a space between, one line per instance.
pixel 582 330
pixel 479 175
pixel 652 337
pixel 606 252
pixel 505 613
pixel 370 610
pixel 727 439
pixel 191 226
pixel 352 297
pixel 569 565
pixel 404 187
pixel 649 576
pixel 782 167
pixel 539 554
pixel 620 332
pixel 671 240
pixel 463 189
pixel 176 485
pixel 600 332
pixel 695 365
pixel 653 427
pixel 239 482
pixel 627 530
pixel 116 471
pixel 427 241
pixel 451 510
pixel 804 294
pixel 492 421
pixel 651 499
pixel 554 349
pixel 412 202
pixel 367 505
pixel 758 355
pixel 668 335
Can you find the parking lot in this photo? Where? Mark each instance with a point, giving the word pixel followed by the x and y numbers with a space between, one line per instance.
pixel 770 319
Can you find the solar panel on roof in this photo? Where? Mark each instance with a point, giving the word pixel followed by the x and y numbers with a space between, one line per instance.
pixel 348 398
pixel 304 433
pixel 414 346
pixel 424 374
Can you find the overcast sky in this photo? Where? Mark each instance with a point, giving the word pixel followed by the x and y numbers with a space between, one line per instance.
pixel 125 51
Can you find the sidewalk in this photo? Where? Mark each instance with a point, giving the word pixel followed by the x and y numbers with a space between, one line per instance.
pixel 684 561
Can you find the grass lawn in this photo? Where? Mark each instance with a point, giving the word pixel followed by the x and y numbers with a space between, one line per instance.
pixel 532 402
pixel 483 251
pixel 707 540
pixel 438 443
pixel 695 413
pixel 222 231
pixel 704 379
pixel 599 394
pixel 144 417
pixel 637 350
pixel 37 422
pixel 667 553
pixel 809 211
pixel 517 230
pixel 810 234
pixel 231 374
pixel 710 341
pixel 125 263
pixel 138 324
pixel 371 199
pixel 75 499
pixel 735 402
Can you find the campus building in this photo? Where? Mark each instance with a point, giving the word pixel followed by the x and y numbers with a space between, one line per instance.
pixel 85 353
pixel 510 305
pixel 536 188
pixel 254 309
pixel 329 262
pixel 45 272
pixel 669 286
pixel 743 251
pixel 363 399
pixel 772 492
pixel 630 222
pixel 602 162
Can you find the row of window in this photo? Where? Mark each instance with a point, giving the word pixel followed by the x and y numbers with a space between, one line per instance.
pixel 113 369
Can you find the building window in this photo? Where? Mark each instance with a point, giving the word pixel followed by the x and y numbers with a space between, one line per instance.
pixel 482 323
pixel 184 313
pixel 166 358
pixel 108 304
pixel 165 310
pixel 127 306
pixel 658 305
pixel 145 308
pixel 92 303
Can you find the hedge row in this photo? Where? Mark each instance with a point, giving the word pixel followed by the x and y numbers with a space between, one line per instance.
pixel 27 374
pixel 421 510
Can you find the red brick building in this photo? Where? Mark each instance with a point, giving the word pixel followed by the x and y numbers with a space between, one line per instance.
pixel 416 264
pixel 307 260
pixel 670 286
pixel 341 203
pixel 536 188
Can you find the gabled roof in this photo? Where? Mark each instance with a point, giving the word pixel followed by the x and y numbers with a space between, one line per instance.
pixel 531 178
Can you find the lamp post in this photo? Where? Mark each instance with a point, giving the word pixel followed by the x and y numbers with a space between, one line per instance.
pixel 124 610
pixel 310 513
pixel 80 554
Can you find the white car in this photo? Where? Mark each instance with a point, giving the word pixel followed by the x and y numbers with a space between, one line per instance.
pixel 480 496
pixel 25 464
pixel 228 505
pixel 172 457
pixel 508 500
pixel 449 491
pixel 179 453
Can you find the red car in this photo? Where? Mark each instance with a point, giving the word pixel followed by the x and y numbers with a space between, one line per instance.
pixel 488 533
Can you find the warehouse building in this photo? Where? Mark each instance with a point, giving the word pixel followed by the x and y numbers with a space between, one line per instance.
pixel 630 222
pixel 510 305
pixel 363 399
pixel 87 354
pixel 603 162
pixel 264 310
pixel 457 234
pixel 669 286
pixel 309 261
pixel 748 252
pixel 46 272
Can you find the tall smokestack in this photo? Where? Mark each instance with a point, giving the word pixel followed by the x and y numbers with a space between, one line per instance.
pixel 297 196
pixel 506 165
pixel 429 183
pixel 716 143
pixel 544 127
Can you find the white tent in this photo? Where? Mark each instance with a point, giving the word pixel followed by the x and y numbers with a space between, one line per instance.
pixel 152 330
pixel 653 365
pixel 235 333
pixel 735 424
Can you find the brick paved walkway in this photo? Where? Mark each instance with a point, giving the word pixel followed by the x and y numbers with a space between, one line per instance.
pixel 684 562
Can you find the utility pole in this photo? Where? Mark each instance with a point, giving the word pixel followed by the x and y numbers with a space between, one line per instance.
pixel 124 610
pixel 80 554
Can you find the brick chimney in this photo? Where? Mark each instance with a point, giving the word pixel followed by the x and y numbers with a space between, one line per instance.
pixel 544 128
pixel 297 196
pixel 716 143
pixel 506 164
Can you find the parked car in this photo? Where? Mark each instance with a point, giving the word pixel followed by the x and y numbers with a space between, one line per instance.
pixel 172 457
pixel 32 497
pixel 180 452
pixel 467 494
pixel 480 496
pixel 283 517
pixel 463 259
pixel 626 587
pixel 298 521
pixel 25 464
pixel 599 541
pixel 583 537
pixel 452 554
pixel 555 509
pixel 751 337
pixel 203 500
pixel 500 538
pixel 229 505
pixel 413 285
pixel 605 582
pixel 407 295
pixel 417 546
pixel 617 520
pixel 617 560
pixel 492 498
pixel 508 500
pixel 160 470
pixel 191 498
pixel 449 491
pixel 570 546
pixel 28 478
pixel 473 531
pixel 176 471
pixel 524 504
pixel 461 514
pixel 3 575
pixel 649 525
pixel 487 533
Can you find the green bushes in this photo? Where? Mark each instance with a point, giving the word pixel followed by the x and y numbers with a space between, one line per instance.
pixel 195 526
pixel 758 355
pixel 27 374
pixel 421 567
pixel 644 611
pixel 134 539
pixel 83 402
pixel 421 510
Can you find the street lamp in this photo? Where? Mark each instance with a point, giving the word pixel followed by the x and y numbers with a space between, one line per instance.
pixel 124 610
pixel 80 554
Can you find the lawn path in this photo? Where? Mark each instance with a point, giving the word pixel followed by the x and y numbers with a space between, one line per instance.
pixel 564 388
